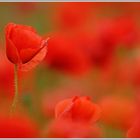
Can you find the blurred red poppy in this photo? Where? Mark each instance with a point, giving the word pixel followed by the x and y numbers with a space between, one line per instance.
pixel 120 30
pixel 98 46
pixel 126 31
pixel 69 14
pixel 17 126
pixel 134 131
pixel 65 56
pixel 101 44
pixel 69 129
pixel 78 109
pixel 50 99
pixel 6 75
pixel 128 72
pixel 117 112
pixel 23 46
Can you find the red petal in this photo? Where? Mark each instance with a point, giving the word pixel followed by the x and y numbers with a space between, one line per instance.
pixel 27 54
pixel 8 29
pixel 26 27
pixel 34 61
pixel 84 110
pixel 97 113
pixel 63 109
pixel 24 39
pixel 12 52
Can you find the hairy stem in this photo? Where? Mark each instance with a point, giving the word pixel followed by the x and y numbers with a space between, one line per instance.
pixel 15 100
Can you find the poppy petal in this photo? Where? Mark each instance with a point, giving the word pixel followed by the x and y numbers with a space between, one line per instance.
pixel 34 61
pixel 12 52
pixel 27 54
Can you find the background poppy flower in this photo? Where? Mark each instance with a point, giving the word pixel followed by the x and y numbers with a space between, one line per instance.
pixel 64 55
pixel 134 131
pixel 78 109
pixel 17 126
pixel 125 30
pixel 6 75
pixel 98 46
pixel 69 14
pixel 67 129
pixel 51 98
pixel 117 112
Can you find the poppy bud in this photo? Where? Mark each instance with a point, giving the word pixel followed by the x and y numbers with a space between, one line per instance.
pixel 24 46
pixel 78 109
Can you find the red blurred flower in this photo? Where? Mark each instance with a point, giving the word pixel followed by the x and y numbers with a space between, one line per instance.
pixel 128 72
pixel 69 129
pixel 119 31
pixel 23 46
pixel 126 31
pixel 98 45
pixel 117 112
pixel 6 75
pixel 69 14
pixel 50 99
pixel 134 131
pixel 65 56
pixel 78 109
pixel 17 127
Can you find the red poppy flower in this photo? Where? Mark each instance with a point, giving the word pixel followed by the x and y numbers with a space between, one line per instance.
pixel 6 75
pixel 98 46
pixel 126 31
pixel 68 129
pixel 64 55
pixel 118 31
pixel 78 109
pixel 128 72
pixel 117 112
pixel 134 131
pixel 17 127
pixel 69 14
pixel 50 99
pixel 24 46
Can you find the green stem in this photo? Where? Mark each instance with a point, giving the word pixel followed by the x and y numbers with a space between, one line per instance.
pixel 15 100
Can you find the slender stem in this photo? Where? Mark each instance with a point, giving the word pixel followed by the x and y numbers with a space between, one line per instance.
pixel 15 100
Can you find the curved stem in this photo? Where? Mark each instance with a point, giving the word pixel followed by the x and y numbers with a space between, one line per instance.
pixel 15 100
